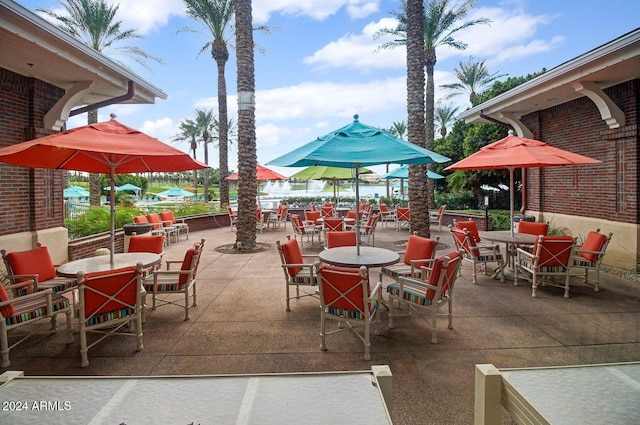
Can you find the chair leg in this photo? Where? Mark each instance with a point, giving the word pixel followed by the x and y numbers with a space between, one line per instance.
pixel 323 333
pixel 186 305
pixel 84 360
pixel 4 346
pixel 434 333
pixel 140 345
pixel 534 286
pixel 475 272
pixel 566 286
pixel 69 327
pixel 367 342
pixel 287 295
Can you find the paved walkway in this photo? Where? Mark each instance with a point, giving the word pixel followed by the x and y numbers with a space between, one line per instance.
pixel 240 326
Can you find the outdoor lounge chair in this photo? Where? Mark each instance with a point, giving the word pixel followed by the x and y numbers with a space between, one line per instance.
pixel 346 297
pixel 296 272
pixel 33 270
pixel 551 258
pixel 429 294
pixel 589 255
pixel 175 286
pixel 28 309
pixel 109 303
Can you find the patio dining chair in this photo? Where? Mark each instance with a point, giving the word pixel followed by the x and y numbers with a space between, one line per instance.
pixel 109 303
pixel 369 229
pixel 551 258
pixel 279 218
pixel 168 218
pixel 386 215
pixel 529 228
pixel 33 270
pixel 418 253
pixel 296 272
pixel 233 217
pixel 175 286
pixel 155 230
pixel 428 294
pixel 437 216
pixel 478 254
pixel 403 218
pixel 144 243
pixel 157 224
pixel 27 310
pixel 341 238
pixel 589 256
pixel 300 228
pixel 346 297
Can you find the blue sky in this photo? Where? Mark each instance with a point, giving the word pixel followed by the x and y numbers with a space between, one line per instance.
pixel 321 66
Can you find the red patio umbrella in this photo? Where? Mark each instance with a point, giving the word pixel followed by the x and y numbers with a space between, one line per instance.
pixel 262 174
pixel 518 152
pixel 108 148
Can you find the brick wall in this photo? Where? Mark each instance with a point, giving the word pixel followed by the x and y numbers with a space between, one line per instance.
pixel 607 190
pixel 30 199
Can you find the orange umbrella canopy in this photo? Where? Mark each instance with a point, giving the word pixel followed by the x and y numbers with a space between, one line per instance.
pixel 519 152
pixel 107 147
pixel 262 174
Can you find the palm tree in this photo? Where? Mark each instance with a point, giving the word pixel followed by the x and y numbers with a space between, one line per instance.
pixel 206 124
pixel 93 23
pixel 473 77
pixel 418 192
pixel 216 16
pixel 247 182
pixel 444 116
pixel 441 22
pixel 189 132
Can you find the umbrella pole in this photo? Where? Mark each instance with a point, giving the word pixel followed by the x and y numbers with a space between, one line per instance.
pixel 511 198
pixel 112 216
pixel 357 209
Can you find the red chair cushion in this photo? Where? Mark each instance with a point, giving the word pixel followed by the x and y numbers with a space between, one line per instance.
pixel 419 248
pixel 7 311
pixel 35 261
pixel 532 228
pixel 292 255
pixel 153 244
pixel 140 219
pixel 167 217
pixel 341 238
pixel 471 227
pixel 345 283
pixel 110 282
pixel 155 221
pixel 187 264
pixel 594 242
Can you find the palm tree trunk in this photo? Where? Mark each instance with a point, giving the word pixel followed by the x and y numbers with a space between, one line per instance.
pixel 429 127
pixel 247 155
pixel 223 133
pixel 416 115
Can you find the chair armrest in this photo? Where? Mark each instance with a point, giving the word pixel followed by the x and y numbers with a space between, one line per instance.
pixel 586 251
pixel 414 281
pixel 523 253
pixel 44 293
pixel 169 262
pixel 286 266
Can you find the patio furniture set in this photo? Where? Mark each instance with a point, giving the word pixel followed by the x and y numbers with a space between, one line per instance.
pixel 103 295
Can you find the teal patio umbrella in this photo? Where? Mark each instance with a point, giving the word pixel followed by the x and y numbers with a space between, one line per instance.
pixel 403 173
pixel 75 192
pixel 355 146
pixel 175 192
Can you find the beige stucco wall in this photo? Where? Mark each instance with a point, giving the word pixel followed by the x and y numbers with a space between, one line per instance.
pixel 55 239
pixel 622 249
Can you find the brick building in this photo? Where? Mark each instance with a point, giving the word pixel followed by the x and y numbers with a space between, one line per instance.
pixel 45 76
pixel 588 105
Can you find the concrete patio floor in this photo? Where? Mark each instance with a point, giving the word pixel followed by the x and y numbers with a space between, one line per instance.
pixel 240 326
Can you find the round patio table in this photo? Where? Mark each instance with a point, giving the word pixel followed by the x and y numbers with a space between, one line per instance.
pixel 347 256
pixel 101 263
pixel 504 236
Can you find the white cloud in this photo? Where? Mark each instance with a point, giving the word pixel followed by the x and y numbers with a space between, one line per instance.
pixel 163 129
pixel 315 9
pixel 145 17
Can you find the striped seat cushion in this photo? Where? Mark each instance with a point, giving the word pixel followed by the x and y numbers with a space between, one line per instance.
pixel 351 314
pixel 165 284
pixel 57 284
pixel 111 315
pixel 411 292
pixel 580 261
pixel 303 277
pixel 396 270
pixel 543 269
pixel 486 257
pixel 26 310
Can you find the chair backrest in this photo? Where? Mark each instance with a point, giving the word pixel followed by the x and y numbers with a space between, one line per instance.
pixel 282 214
pixel 403 213
pixel 191 261
pixel 138 243
pixel 290 254
pixel 140 219
pixel 154 219
pixel 34 261
pixel 341 238
pixel 298 225
pixel 329 204
pixel 258 214
pixel 596 243
pixel 440 211
pixel 383 208
pixel 312 207
pixel 232 213
pixel 312 216
pixel 109 291
pixel 464 241
pixel 334 224
pixel 343 288
pixel 419 248
pixel 553 251
pixel 532 228
pixel 168 217
pixel 471 227
pixel 327 212
pixel 352 214
pixel 7 310
pixel 372 221
pixel 444 275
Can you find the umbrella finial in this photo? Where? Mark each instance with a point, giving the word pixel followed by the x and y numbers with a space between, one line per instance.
pixel 355 117
pixel 510 132
pixel 113 116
